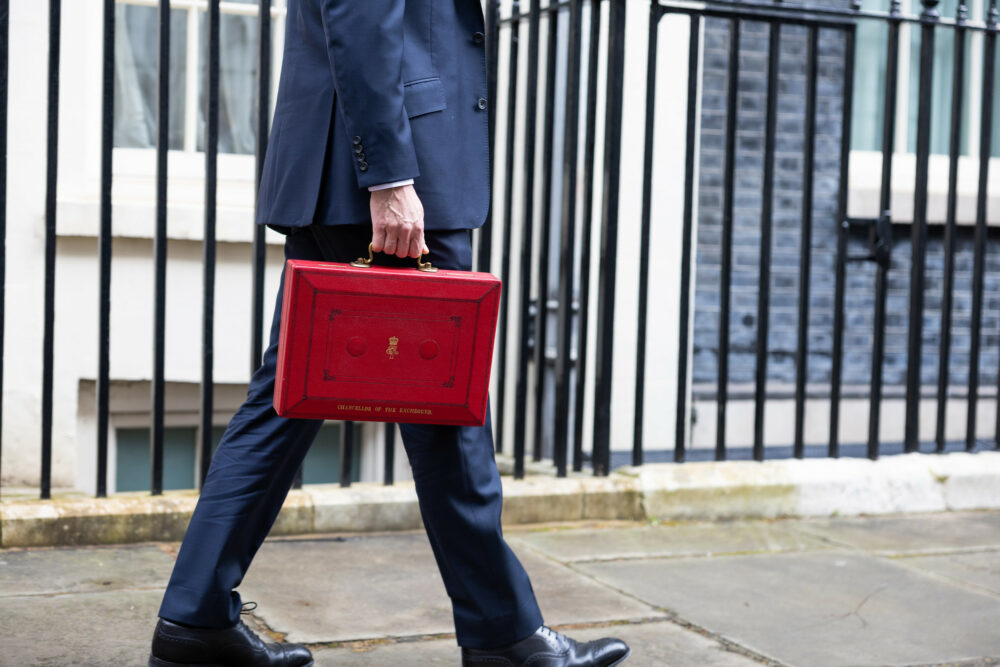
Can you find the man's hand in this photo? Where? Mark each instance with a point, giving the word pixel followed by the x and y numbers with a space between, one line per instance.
pixel 398 222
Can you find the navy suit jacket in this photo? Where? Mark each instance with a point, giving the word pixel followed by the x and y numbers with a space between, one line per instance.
pixel 377 91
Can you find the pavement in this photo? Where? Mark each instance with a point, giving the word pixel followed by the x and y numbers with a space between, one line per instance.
pixel 918 589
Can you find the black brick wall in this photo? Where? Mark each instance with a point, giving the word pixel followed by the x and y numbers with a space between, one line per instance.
pixel 784 285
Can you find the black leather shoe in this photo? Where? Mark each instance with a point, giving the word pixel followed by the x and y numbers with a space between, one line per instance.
pixel 548 648
pixel 237 646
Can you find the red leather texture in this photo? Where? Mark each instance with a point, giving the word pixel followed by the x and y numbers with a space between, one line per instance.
pixel 389 345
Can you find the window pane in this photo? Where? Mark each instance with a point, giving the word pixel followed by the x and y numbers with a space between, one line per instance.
pixel 941 99
pixel 869 85
pixel 132 459
pixel 136 54
pixel 237 82
pixel 322 464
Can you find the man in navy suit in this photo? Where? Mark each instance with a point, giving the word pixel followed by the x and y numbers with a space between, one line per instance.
pixel 380 125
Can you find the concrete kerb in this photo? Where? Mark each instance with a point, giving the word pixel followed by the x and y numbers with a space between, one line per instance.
pixel 692 491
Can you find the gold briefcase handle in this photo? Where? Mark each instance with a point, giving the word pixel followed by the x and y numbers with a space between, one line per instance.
pixel 362 263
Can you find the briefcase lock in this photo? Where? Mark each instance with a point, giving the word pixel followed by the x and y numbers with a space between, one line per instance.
pixel 362 263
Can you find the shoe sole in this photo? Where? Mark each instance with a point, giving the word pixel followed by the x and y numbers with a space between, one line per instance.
pixel 157 662
pixel 621 659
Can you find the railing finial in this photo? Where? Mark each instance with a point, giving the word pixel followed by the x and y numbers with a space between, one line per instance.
pixel 894 7
pixel 930 10
pixel 962 13
pixel 994 15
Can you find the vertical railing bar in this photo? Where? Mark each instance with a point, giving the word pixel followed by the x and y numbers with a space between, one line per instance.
pixel 587 219
pixel 346 453
pixel 609 237
pixel 389 456
pixel 805 243
pixel 918 230
pixel 985 145
pixel 104 247
pixel 4 71
pixel 492 50
pixel 725 287
pixel 885 204
pixel 647 201
pixel 766 225
pixel 160 246
pixel 51 180
pixel 259 251
pixel 211 186
pixel 527 241
pixel 508 224
pixel 567 240
pixel 954 149
pixel 545 242
pixel 684 318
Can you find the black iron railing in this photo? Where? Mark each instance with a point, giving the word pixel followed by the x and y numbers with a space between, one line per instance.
pixel 552 164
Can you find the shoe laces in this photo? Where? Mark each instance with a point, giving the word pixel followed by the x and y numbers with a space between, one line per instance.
pixel 248 607
pixel 555 638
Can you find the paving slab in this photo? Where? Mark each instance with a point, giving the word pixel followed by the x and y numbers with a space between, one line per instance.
pixel 701 539
pixel 916 533
pixel 107 629
pixel 47 571
pixel 653 644
pixel 318 591
pixel 980 570
pixel 818 609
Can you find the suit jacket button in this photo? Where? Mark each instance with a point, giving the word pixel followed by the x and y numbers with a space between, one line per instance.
pixel 361 157
pixel 478 38
pixel 356 141
pixel 363 166
pixel 358 148
pixel 481 104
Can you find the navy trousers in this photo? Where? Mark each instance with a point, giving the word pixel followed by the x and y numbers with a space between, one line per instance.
pixel 456 479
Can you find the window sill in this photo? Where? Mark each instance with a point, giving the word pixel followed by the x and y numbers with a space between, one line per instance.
pixel 866 177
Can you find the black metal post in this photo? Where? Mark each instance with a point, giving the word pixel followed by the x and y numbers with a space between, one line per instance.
pixel 104 248
pixel 587 218
pixel 389 469
pixel 160 247
pixel 918 237
pixel 609 237
pixel 211 183
pixel 985 144
pixel 51 179
pixel 346 453
pixel 508 224
pixel 492 49
pixel 684 319
pixel 725 288
pixel 885 208
pixel 567 240
pixel 259 252
pixel 766 225
pixel 955 138
pixel 545 242
pixel 805 244
pixel 527 240
pixel 647 202
pixel 4 70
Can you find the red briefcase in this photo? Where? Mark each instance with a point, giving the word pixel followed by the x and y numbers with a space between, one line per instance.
pixel 367 343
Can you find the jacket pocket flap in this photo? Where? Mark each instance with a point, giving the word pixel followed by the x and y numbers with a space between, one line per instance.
pixel 424 96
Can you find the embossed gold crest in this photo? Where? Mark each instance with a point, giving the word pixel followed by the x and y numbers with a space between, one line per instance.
pixel 392 350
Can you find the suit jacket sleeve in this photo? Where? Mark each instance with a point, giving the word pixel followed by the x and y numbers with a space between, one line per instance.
pixel 365 47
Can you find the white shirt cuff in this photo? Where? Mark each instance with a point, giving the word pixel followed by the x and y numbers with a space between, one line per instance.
pixel 394 184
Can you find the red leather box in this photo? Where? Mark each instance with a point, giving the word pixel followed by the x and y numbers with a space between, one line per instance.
pixel 385 344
